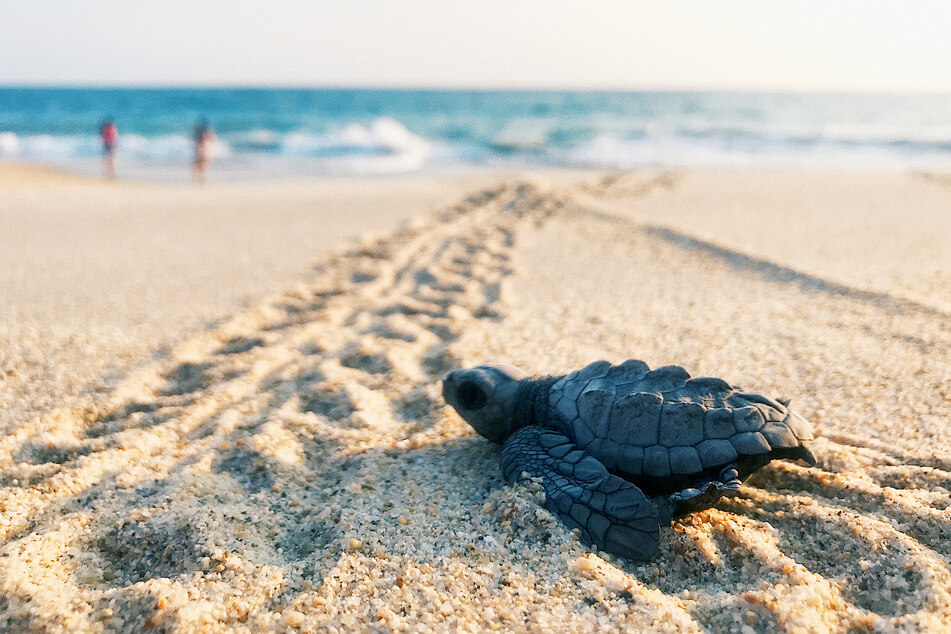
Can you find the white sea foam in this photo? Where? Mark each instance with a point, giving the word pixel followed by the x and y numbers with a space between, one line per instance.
pixel 9 144
pixel 383 135
pixel 46 147
pixel 169 146
pixel 664 150
pixel 521 135
pixel 383 146
pixel 258 139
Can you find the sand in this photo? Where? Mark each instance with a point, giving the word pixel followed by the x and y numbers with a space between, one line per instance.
pixel 293 467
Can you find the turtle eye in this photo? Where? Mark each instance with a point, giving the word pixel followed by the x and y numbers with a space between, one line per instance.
pixel 470 395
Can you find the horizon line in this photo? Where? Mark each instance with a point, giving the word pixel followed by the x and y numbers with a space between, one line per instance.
pixel 464 88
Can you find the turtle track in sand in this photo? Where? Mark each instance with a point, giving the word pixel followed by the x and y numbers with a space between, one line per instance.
pixel 293 466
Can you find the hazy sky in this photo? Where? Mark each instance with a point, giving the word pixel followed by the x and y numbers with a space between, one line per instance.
pixel 750 44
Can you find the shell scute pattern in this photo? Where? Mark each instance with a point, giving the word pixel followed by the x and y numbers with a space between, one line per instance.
pixel 624 426
pixel 750 443
pixel 771 414
pixel 665 379
pixel 630 371
pixel 718 423
pixel 710 393
pixel 639 414
pixel 594 406
pixel 656 463
pixel 747 418
pixel 595 447
pixel 715 452
pixel 567 407
pixel 631 459
pixel 559 388
pixel 621 413
pixel 769 409
pixel 609 454
pixel 764 401
pixel 583 435
pixel 799 425
pixel 681 424
pixel 555 394
pixel 596 370
pixel 685 461
pixel 709 386
pixel 779 436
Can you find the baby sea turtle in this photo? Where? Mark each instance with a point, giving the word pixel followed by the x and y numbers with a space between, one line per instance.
pixel 623 449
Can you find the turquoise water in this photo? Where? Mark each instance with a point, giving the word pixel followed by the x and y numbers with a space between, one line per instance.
pixel 269 132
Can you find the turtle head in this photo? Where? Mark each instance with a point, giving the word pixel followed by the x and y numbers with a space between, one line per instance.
pixel 485 397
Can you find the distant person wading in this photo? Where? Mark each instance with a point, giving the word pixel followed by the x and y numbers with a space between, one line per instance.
pixel 204 142
pixel 110 142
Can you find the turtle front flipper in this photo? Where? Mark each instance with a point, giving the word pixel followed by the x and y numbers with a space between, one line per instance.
pixel 612 514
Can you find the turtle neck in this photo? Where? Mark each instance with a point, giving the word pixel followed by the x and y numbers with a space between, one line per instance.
pixel 531 402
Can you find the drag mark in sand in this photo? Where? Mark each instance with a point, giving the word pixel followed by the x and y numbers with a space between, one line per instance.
pixel 787 275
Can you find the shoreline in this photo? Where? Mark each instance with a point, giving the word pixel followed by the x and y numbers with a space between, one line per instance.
pixel 16 173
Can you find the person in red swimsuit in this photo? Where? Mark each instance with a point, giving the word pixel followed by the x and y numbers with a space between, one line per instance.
pixel 110 144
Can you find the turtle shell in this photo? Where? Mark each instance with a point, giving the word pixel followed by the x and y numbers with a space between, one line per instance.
pixel 664 424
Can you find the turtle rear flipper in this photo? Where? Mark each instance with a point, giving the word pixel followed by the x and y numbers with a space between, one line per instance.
pixel 704 494
pixel 612 514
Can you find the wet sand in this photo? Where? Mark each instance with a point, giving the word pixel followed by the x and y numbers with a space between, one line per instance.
pixel 293 466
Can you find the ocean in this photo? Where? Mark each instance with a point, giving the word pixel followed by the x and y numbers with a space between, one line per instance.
pixel 275 132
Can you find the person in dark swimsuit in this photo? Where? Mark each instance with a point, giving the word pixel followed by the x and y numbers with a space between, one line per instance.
pixel 204 140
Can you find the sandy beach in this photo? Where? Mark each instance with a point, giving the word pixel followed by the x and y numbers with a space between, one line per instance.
pixel 220 408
